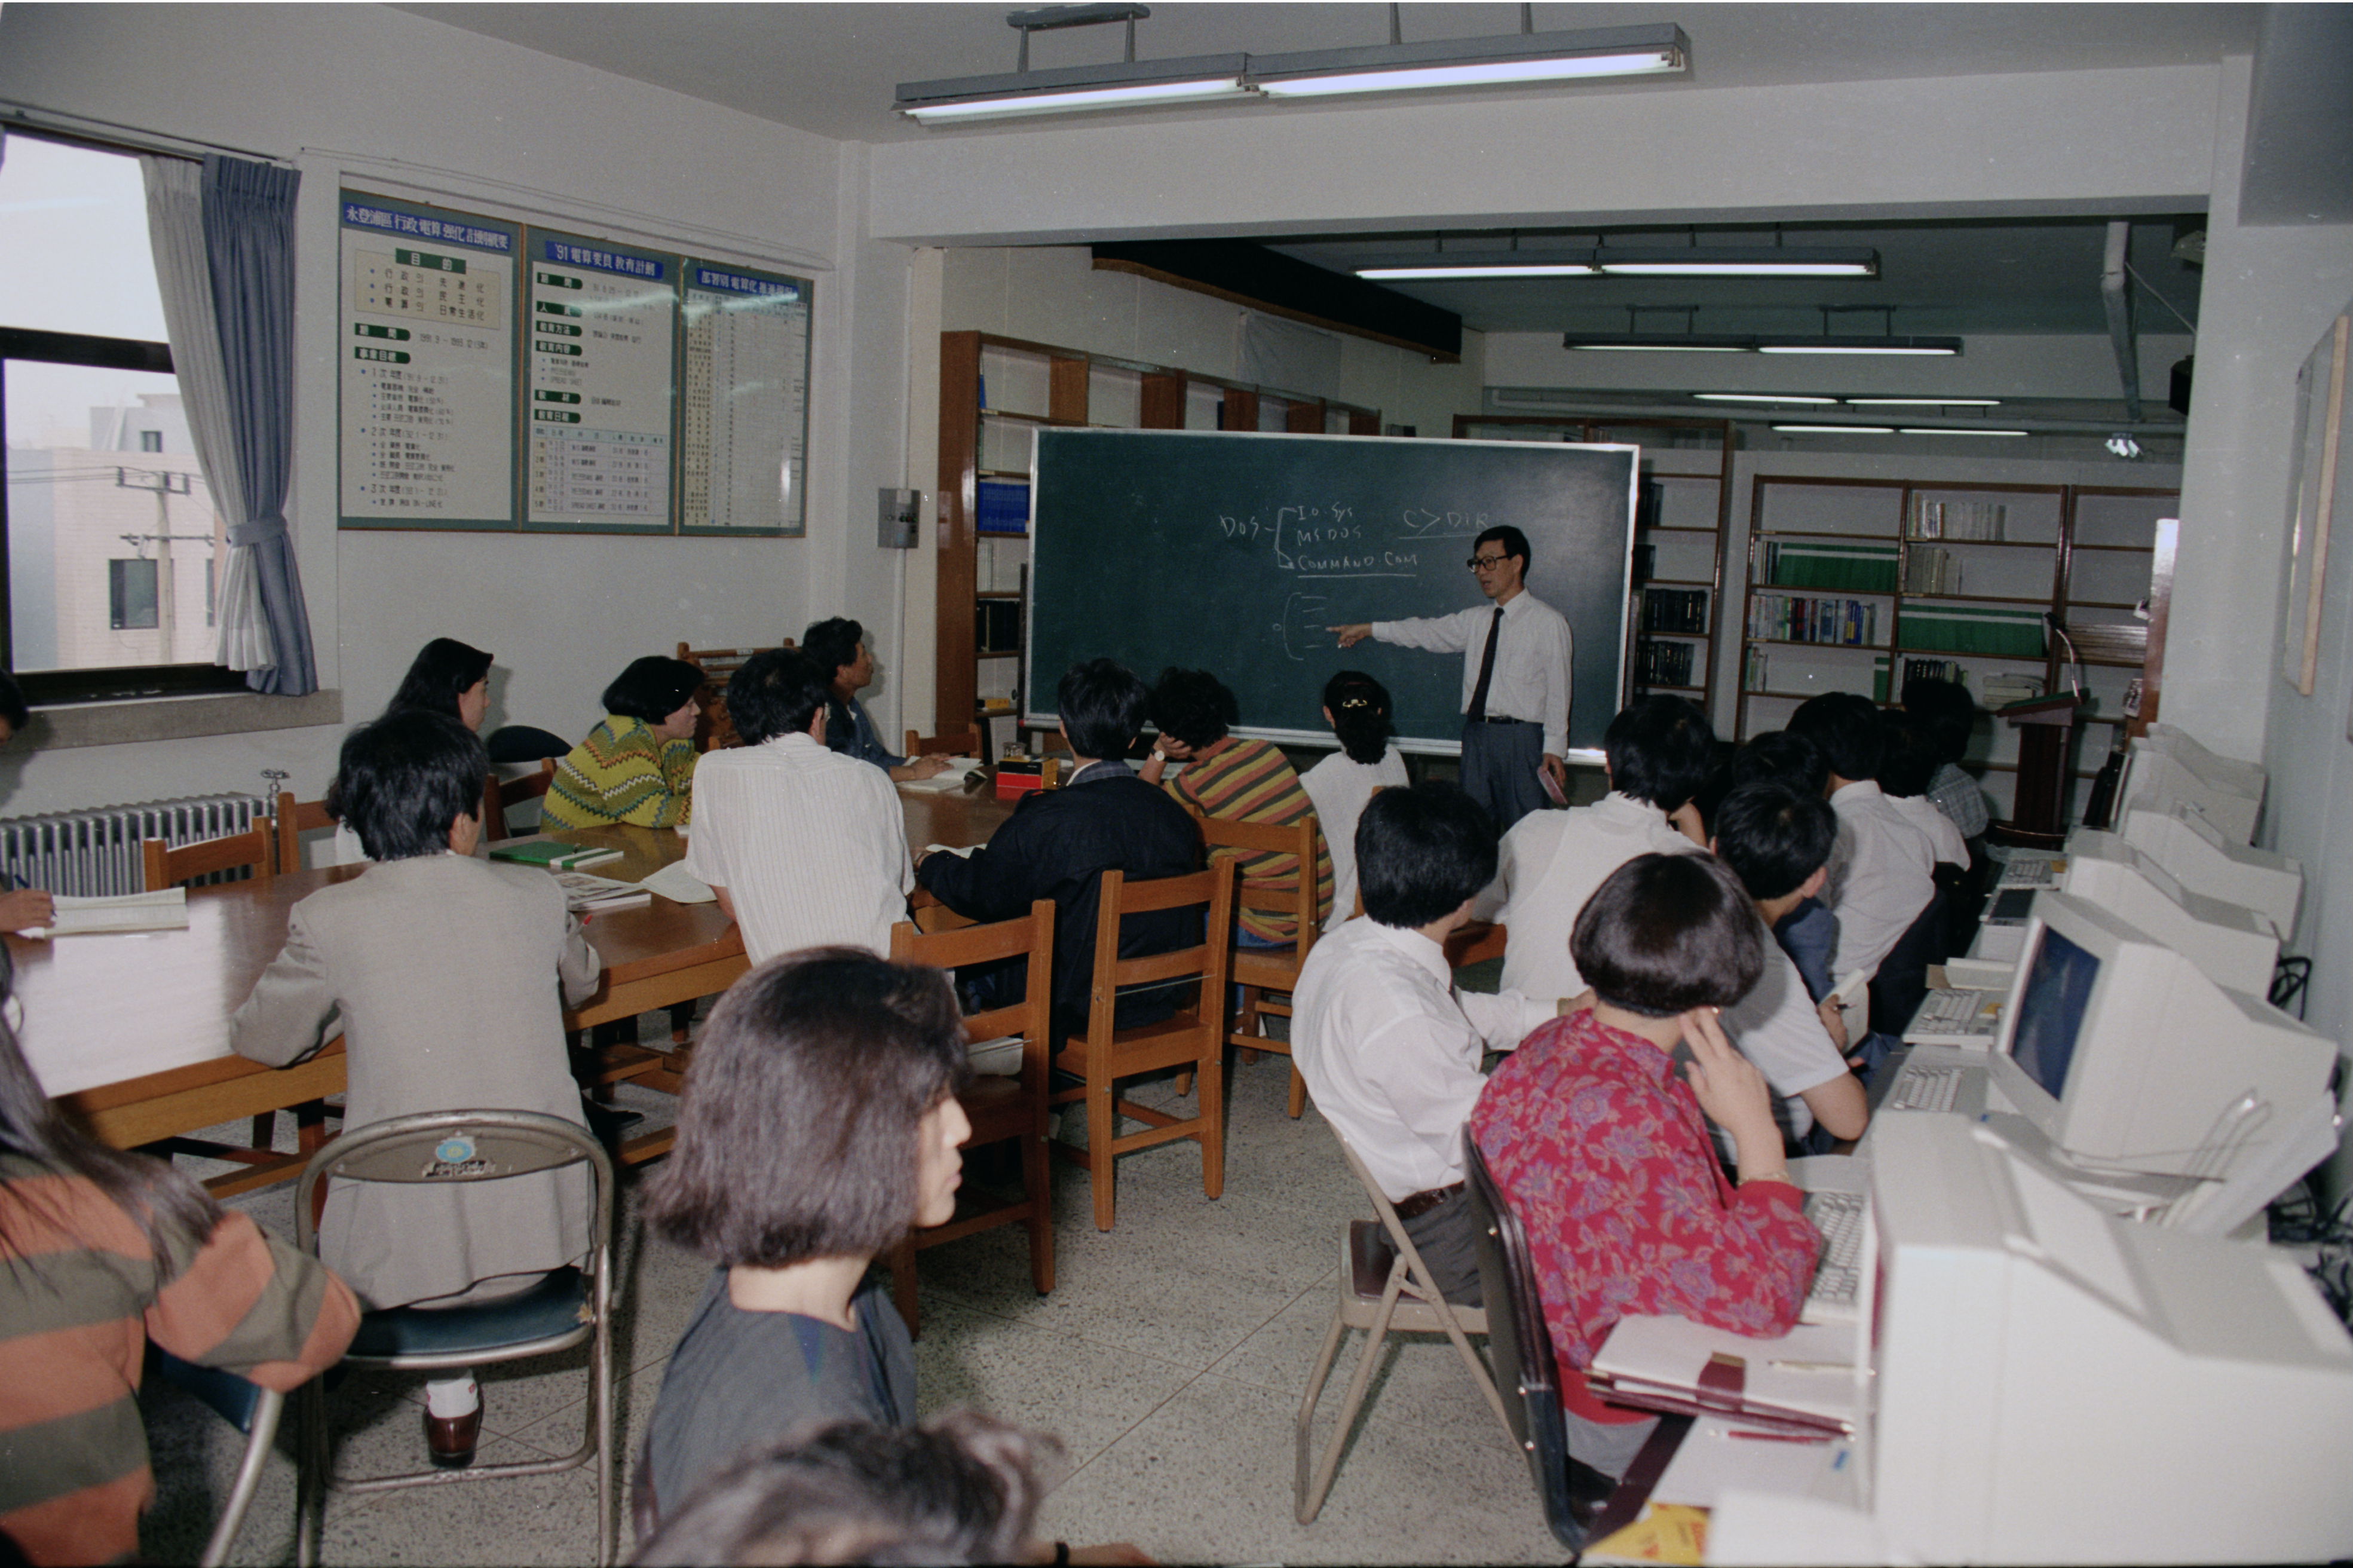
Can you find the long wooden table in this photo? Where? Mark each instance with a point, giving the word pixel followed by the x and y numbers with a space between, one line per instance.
pixel 130 1033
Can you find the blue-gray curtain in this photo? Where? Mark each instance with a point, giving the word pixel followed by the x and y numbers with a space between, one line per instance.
pixel 248 218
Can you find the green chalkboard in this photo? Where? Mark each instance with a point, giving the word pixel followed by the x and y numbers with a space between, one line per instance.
pixel 1232 552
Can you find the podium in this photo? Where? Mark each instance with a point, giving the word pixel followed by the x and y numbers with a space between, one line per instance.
pixel 2046 736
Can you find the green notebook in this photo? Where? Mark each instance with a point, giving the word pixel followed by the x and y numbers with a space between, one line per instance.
pixel 554 855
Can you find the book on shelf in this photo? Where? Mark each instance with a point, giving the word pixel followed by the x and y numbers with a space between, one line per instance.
pixel 1675 610
pixel 1986 629
pixel 1792 618
pixel 1879 680
pixel 554 855
pixel 997 623
pixel 1754 668
pixel 1858 568
pixel 1936 670
pixel 1002 507
pixel 1660 663
pixel 1646 562
pixel 1974 522
pixel 1931 569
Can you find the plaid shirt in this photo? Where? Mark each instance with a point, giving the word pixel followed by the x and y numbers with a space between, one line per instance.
pixel 1959 797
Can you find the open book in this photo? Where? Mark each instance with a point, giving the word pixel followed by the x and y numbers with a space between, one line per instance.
pixel 958 771
pixel 586 891
pixel 163 911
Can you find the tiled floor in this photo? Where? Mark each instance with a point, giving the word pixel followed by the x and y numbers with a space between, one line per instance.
pixel 1169 1360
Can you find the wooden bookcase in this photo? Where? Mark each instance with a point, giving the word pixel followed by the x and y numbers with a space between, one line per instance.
pixel 2085 554
pixel 996 393
pixel 1679 532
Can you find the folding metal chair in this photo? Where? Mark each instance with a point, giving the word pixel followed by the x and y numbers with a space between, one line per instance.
pixel 247 1406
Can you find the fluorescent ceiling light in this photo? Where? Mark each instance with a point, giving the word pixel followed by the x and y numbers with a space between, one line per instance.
pixel 1911 345
pixel 1759 397
pixel 1493 73
pixel 1701 263
pixel 1662 347
pixel 1659 342
pixel 1957 430
pixel 1836 429
pixel 1136 95
pixel 1492 270
pixel 1924 402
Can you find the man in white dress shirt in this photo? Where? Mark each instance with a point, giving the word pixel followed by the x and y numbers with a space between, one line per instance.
pixel 1882 871
pixel 1388 1048
pixel 804 846
pixel 1658 752
pixel 1516 659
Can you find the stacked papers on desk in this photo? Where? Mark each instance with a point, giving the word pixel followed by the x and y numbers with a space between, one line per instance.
pixel 585 893
pixel 163 911
pixel 958 772
pixel 678 885
pixel 1801 1382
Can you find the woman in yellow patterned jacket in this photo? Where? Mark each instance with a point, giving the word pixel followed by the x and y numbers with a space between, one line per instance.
pixel 638 766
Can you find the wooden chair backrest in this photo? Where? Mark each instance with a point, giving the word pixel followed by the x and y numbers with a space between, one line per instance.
pixel 1031 1017
pixel 714 731
pixel 498 793
pixel 165 866
pixel 964 744
pixel 1208 962
pixel 1299 840
pixel 296 818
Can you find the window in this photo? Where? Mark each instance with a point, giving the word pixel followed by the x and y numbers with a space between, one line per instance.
pixel 131 594
pixel 99 468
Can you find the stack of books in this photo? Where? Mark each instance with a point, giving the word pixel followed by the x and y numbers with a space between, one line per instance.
pixel 1674 610
pixel 1785 617
pixel 1983 630
pixel 1932 570
pixel 552 854
pixel 1663 664
pixel 1936 670
pixel 1858 568
pixel 1979 522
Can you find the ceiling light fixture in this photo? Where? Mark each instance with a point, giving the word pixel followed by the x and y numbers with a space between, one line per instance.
pixel 1896 346
pixel 1759 397
pixel 2123 445
pixel 1709 263
pixel 1477 270
pixel 1835 429
pixel 1923 402
pixel 1526 57
pixel 1958 430
pixel 1661 343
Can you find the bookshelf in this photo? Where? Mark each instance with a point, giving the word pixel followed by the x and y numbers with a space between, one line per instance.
pixel 1679 532
pixel 1857 584
pixel 996 393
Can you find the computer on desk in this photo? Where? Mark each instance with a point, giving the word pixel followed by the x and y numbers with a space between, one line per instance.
pixel 2195 851
pixel 2056 1385
pixel 2166 769
pixel 2236 947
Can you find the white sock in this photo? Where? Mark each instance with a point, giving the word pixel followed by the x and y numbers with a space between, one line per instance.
pixel 459 1395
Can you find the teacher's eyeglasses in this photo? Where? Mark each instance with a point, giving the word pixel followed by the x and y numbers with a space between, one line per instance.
pixel 1485 562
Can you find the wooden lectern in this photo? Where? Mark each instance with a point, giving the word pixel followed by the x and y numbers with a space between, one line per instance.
pixel 2046 727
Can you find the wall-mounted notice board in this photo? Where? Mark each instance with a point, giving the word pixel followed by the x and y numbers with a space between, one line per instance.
pixel 504 375
pixel 1233 552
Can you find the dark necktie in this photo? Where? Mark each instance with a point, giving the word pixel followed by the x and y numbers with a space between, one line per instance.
pixel 1486 666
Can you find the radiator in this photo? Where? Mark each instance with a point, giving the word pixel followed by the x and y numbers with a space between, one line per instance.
pixel 94 852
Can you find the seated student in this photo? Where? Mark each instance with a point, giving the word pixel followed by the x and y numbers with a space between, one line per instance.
pixel 804 847
pixel 1881 871
pixel 1356 706
pixel 1949 715
pixel 1904 775
pixel 1809 932
pixel 21 908
pixel 820 1124
pixel 638 765
pixel 1389 1049
pixel 1244 782
pixel 1602 1147
pixel 449 678
pixel 1059 842
pixel 1777 842
pixel 446 977
pixel 1658 751
pixel 840 648
pixel 101 1251
pixel 961 1488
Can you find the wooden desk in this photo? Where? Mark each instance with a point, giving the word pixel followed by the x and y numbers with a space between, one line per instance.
pixel 130 1033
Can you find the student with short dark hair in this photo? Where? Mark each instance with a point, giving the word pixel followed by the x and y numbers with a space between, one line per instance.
pixel 446 977
pixel 638 765
pixel 1059 842
pixel 1357 708
pixel 1388 1048
pixel 1949 715
pixel 1809 932
pixel 1516 661
pixel 1242 780
pixel 819 1125
pixel 1658 751
pixel 805 846
pixel 838 647
pixel 1590 1118
pixel 1882 872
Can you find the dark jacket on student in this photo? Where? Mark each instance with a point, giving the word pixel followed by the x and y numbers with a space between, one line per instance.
pixel 1056 846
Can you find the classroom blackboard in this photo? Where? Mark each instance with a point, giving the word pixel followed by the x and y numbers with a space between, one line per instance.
pixel 1232 552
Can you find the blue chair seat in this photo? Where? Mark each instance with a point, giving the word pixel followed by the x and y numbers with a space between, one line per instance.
pixel 228 1395
pixel 555 1306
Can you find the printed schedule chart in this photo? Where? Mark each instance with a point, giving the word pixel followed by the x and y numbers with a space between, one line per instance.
pixel 604 324
pixel 427 371
pixel 744 409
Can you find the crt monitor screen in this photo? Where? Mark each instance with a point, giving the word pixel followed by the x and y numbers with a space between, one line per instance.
pixel 2059 980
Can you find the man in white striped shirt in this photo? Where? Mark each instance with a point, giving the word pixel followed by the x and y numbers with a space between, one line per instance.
pixel 804 846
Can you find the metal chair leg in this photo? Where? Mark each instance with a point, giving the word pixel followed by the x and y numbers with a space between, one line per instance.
pixel 1354 1400
pixel 1305 1504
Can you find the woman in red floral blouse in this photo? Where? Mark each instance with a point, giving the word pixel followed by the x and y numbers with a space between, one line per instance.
pixel 1602 1148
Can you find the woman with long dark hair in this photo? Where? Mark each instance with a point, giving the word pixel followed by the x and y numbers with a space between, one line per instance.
pixel 447 677
pixel 1356 706
pixel 100 1252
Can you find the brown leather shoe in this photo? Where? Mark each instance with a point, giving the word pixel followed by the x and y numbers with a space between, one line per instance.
pixel 450 1439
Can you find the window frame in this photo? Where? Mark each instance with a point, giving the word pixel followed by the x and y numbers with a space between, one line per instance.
pixel 116 682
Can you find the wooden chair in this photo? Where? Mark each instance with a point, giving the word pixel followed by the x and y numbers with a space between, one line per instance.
pixel 498 793
pixel 296 818
pixel 964 744
pixel 1002 1109
pixel 714 731
pixel 1267 976
pixel 254 849
pixel 1194 1037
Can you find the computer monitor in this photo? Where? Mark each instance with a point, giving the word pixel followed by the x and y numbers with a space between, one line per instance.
pixel 2124 1055
pixel 2201 859
pixel 2057 1385
pixel 2166 769
pixel 2237 948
